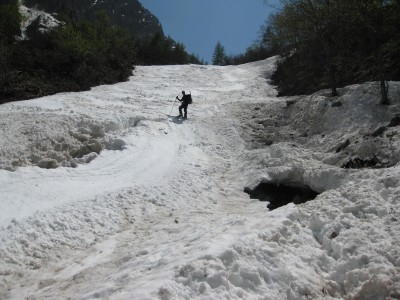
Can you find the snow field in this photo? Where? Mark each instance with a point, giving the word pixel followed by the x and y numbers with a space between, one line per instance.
pixel 160 212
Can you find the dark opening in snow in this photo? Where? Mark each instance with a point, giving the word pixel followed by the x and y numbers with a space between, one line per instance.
pixel 359 163
pixel 279 194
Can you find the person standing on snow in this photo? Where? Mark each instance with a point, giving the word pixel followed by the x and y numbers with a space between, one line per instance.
pixel 186 100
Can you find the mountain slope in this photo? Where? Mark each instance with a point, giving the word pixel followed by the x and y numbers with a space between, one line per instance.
pixel 159 212
pixel 128 14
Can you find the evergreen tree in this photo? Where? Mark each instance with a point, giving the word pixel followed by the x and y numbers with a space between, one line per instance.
pixel 219 55
pixel 161 50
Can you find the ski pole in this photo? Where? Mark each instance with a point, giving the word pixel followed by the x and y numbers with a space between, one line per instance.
pixel 172 108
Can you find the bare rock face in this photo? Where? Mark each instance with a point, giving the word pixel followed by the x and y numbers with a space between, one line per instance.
pixel 128 14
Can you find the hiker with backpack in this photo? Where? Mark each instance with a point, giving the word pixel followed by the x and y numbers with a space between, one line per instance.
pixel 186 100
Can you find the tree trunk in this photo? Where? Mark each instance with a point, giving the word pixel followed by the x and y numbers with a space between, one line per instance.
pixel 384 93
pixel 332 81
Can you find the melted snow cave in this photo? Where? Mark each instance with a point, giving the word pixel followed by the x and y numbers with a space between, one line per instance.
pixel 279 194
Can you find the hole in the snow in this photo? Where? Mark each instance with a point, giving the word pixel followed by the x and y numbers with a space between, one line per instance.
pixel 279 194
pixel 359 163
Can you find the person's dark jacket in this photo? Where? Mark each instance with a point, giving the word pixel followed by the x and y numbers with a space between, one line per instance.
pixel 185 99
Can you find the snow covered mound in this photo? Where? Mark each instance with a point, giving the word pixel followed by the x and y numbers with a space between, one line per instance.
pixel 50 140
pixel 349 128
pixel 102 195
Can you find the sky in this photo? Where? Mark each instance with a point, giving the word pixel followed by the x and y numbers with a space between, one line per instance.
pixel 200 24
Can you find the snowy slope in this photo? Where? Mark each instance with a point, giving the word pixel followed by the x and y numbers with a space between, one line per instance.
pixel 102 195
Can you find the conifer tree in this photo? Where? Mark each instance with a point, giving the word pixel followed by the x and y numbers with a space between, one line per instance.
pixel 219 55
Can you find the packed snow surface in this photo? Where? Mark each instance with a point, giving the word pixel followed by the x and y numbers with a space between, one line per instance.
pixel 103 195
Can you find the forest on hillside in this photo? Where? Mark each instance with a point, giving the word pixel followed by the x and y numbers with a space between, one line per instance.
pixel 73 56
pixel 330 44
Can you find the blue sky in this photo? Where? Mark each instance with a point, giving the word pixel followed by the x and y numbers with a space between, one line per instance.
pixel 200 24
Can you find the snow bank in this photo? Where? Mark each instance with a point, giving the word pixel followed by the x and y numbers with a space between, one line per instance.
pixel 51 137
pixel 358 128
pixel 78 141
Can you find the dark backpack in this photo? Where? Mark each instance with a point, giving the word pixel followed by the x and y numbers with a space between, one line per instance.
pixel 189 99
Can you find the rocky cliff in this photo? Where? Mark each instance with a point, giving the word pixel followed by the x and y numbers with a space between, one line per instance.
pixel 128 14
